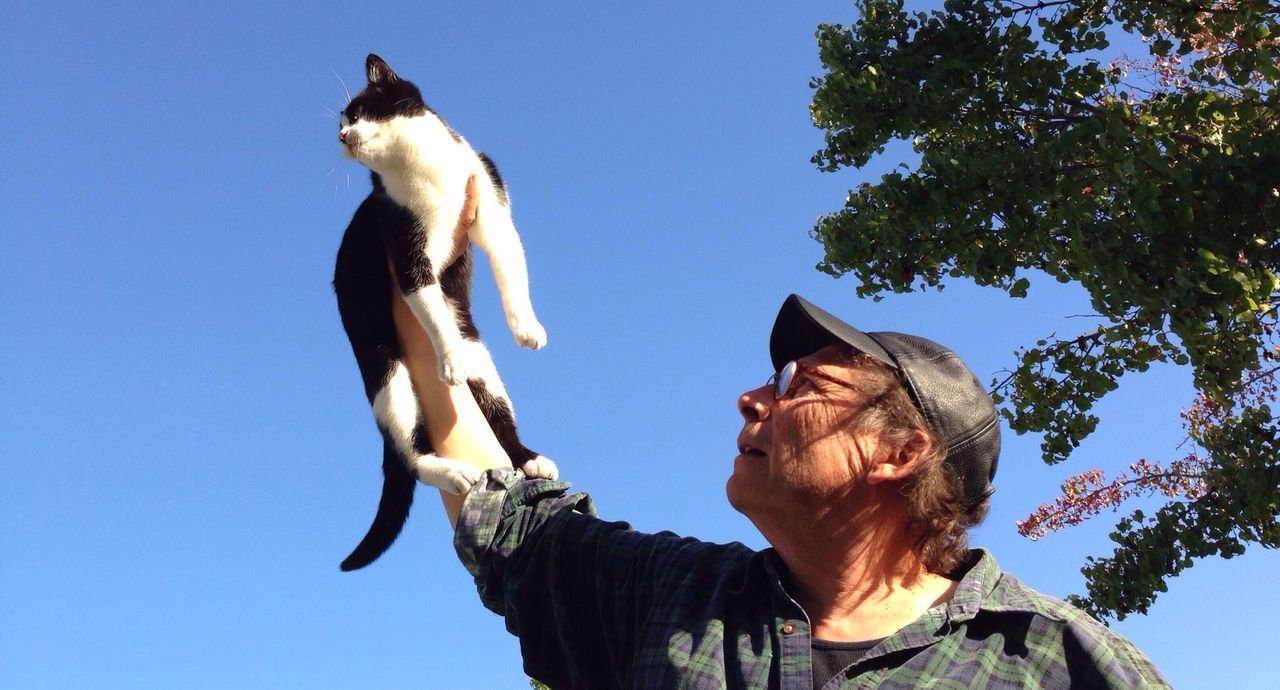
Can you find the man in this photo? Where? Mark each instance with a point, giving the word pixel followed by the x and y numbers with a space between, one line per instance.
pixel 862 462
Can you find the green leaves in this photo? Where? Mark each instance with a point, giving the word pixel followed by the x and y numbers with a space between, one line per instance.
pixel 1241 507
pixel 1152 183
pixel 1019 287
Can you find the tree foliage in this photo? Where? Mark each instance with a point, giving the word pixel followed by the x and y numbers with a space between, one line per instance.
pixel 1152 181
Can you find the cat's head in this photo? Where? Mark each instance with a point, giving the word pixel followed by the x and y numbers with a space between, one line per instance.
pixel 375 126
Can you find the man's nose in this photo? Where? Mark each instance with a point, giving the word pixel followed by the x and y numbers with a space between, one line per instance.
pixel 752 405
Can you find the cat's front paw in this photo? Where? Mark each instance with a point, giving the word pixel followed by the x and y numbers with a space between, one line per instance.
pixel 452 371
pixel 541 468
pixel 528 332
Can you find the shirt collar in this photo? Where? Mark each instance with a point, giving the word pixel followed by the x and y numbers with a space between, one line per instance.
pixel 979 575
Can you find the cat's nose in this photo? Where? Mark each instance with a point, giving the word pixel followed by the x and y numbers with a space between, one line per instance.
pixel 342 137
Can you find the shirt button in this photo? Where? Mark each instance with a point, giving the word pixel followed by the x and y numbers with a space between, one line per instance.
pixel 788 628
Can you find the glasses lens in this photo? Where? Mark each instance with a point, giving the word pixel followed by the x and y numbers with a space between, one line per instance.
pixel 785 376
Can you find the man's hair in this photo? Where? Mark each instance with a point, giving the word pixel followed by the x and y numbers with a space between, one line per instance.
pixel 933 495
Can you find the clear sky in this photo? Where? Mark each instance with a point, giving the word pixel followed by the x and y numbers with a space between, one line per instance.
pixel 187 452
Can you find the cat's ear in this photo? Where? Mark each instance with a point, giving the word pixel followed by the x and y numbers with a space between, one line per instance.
pixel 378 71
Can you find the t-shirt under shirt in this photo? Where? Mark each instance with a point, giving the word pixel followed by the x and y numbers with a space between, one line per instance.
pixel 830 658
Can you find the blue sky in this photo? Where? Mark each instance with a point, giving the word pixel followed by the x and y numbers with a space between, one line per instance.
pixel 187 452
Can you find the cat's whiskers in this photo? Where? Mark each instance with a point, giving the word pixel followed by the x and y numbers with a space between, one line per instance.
pixel 344 84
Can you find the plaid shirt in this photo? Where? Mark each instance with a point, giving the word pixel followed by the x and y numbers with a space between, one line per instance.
pixel 597 605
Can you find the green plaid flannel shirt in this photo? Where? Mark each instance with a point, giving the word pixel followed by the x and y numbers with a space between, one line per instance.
pixel 597 605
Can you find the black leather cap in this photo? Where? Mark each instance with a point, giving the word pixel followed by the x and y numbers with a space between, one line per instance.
pixel 948 394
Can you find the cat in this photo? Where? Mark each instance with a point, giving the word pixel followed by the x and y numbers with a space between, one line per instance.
pixel 406 236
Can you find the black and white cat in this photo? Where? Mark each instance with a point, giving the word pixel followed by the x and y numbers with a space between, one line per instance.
pixel 420 169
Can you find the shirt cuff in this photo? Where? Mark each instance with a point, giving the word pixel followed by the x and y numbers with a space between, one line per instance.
pixel 497 514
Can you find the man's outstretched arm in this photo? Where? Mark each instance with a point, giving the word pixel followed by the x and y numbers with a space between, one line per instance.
pixel 455 424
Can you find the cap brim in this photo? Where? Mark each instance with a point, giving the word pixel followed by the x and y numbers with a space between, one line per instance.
pixel 803 328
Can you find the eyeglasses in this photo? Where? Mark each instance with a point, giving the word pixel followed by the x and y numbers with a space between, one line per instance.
pixel 785 380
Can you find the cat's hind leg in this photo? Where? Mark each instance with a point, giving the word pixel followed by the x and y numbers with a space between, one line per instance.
pixel 453 476
pixel 541 467
pixel 395 408
pixel 491 397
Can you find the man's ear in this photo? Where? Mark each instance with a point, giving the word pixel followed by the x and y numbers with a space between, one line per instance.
pixel 898 463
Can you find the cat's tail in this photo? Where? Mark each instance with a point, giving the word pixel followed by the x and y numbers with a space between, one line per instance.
pixel 393 509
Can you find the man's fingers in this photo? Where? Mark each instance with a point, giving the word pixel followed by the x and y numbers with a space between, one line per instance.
pixel 469 205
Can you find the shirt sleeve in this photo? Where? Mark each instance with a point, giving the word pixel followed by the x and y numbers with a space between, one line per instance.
pixel 1097 657
pixel 575 589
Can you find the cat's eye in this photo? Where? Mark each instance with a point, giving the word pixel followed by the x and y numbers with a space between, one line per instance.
pixel 352 116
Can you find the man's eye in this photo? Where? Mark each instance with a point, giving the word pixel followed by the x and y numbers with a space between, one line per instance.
pixel 809 384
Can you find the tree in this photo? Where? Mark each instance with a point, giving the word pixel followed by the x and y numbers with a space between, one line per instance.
pixel 1153 182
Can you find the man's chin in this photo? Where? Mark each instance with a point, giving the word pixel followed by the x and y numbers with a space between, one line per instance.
pixel 741 488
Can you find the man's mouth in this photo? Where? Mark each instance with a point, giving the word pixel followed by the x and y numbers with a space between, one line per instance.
pixel 745 449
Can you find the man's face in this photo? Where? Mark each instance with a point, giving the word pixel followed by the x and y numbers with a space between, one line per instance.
pixel 801 452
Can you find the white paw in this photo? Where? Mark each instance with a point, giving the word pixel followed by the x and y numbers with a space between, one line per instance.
pixel 451 370
pixel 541 468
pixel 461 479
pixel 528 332
pixel 447 475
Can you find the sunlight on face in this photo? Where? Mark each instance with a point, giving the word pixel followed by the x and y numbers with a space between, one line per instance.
pixel 802 451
